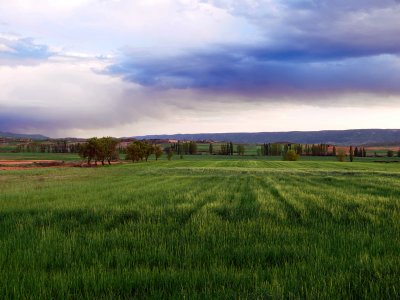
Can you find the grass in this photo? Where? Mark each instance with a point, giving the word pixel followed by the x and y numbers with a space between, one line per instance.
pixel 202 227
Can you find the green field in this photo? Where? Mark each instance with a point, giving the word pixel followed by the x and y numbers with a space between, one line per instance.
pixel 202 227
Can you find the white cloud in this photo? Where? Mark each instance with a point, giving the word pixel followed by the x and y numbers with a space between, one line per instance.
pixel 103 26
pixel 5 48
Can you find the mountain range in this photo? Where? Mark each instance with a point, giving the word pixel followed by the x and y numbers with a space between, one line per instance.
pixel 23 136
pixel 337 137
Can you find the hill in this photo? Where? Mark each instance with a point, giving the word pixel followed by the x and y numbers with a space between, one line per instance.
pixel 338 137
pixel 23 136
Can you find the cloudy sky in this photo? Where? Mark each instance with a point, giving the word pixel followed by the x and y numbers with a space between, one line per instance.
pixel 135 67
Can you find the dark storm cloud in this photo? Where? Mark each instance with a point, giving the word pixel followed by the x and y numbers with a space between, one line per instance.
pixel 255 72
pixel 309 47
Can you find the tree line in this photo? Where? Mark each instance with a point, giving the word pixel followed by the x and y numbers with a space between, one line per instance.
pixel 54 147
pixel 93 149
pixel 184 148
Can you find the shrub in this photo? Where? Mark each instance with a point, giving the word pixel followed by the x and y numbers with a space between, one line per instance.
pixel 291 155
pixel 390 153
pixel 341 155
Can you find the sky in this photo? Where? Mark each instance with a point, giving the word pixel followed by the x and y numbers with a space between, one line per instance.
pixel 134 67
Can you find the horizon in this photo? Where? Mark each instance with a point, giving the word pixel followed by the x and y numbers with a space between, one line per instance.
pixel 203 133
pixel 121 68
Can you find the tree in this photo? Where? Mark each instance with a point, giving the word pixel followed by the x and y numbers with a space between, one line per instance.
pixel 157 151
pixel 170 153
pixel 334 151
pixel 351 154
pixel 223 150
pixel 210 148
pixel 135 151
pixel 107 150
pixel 341 155
pixel 398 153
pixel 192 148
pixel 356 152
pixel 390 153
pixel 90 150
pixel 240 149
pixel 148 150
pixel 291 155
pixel 299 149
pixel 266 149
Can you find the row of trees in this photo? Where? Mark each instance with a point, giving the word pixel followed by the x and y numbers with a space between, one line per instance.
pixel 390 153
pixel 53 147
pixel 360 152
pixel 226 149
pixel 278 149
pixel 186 148
pixel 99 149
pixel 106 149
pixel 139 151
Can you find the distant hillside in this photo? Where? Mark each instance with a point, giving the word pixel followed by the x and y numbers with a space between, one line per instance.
pixel 23 136
pixel 337 137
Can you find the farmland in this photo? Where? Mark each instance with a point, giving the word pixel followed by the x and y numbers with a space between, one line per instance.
pixel 201 227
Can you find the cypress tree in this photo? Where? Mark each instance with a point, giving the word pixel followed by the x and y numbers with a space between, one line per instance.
pixel 351 154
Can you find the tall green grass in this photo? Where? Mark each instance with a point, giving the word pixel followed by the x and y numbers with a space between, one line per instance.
pixel 202 228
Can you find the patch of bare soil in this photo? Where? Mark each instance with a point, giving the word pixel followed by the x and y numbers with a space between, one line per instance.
pixel 29 164
pixel 33 164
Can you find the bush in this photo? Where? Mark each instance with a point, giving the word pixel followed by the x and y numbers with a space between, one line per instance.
pixel 291 155
pixel 341 155
pixel 390 153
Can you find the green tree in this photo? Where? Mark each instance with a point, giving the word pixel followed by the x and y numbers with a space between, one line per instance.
pixel 299 149
pixel 223 149
pixel 148 150
pixel 341 155
pixel 107 149
pixel 90 150
pixel 291 155
pixel 390 153
pixel 158 151
pixel 136 151
pixel 240 149
pixel 351 154
pixel 170 153
pixel 192 148
pixel 210 148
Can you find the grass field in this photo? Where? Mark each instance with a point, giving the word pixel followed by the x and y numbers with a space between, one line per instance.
pixel 202 227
